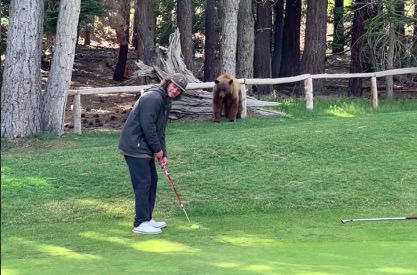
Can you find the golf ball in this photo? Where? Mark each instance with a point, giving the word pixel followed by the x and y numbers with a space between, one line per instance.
pixel 194 226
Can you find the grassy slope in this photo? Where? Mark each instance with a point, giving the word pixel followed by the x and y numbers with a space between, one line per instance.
pixel 267 193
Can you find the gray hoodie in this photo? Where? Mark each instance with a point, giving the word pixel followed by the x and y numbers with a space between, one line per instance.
pixel 144 131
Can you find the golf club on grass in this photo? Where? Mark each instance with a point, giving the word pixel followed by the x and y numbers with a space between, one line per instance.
pixel 171 183
pixel 379 219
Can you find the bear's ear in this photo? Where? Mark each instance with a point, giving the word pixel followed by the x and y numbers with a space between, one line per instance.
pixel 230 81
pixel 216 81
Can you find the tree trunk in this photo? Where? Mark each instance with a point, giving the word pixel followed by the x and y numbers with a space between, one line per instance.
pixel 59 79
pixel 356 65
pixel 135 41
pixel 290 60
pixel 229 10
pixel 125 5
pixel 245 40
pixel 278 28
pixel 119 71
pixel 263 45
pixel 122 33
pixel 314 56
pixel 21 86
pixel 390 54
pixel 87 35
pixel 413 58
pixel 185 25
pixel 146 30
pixel 338 43
pixel 364 9
pixel 211 41
pixel 399 9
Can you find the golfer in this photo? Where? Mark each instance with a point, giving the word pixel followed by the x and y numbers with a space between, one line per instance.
pixel 142 140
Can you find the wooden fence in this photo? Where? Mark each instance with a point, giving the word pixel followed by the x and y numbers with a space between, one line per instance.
pixel 307 78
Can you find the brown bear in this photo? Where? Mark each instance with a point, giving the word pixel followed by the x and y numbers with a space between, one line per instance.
pixel 227 98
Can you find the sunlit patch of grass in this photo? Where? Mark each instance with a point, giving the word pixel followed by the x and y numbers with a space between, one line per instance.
pixel 23 182
pixel 248 240
pixel 226 264
pixel 343 107
pixel 153 245
pixel 54 250
pixel 9 271
pixel 259 268
pixel 396 270
pixel 345 110
pixel 163 246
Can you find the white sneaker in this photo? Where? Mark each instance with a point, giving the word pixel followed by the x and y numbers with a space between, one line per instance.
pixel 156 224
pixel 146 228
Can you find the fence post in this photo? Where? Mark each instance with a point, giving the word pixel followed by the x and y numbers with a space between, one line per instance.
pixel 77 113
pixel 244 105
pixel 308 92
pixel 374 90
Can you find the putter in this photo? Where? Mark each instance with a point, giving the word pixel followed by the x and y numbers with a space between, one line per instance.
pixel 171 183
pixel 379 219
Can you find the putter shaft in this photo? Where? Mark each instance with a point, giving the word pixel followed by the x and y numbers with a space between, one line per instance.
pixel 379 219
pixel 171 183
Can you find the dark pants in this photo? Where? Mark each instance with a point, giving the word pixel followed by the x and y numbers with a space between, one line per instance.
pixel 144 181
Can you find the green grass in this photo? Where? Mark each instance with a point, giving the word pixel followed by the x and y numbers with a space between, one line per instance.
pixel 268 194
pixel 344 107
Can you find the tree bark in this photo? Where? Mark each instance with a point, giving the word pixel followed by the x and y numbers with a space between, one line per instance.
pixel 364 9
pixel 185 25
pixel 278 28
pixel 122 32
pixel 87 34
pixel 59 79
pixel 245 40
pixel 21 86
pixel 390 54
pixel 413 61
pixel 211 46
pixel 119 71
pixel 135 40
pixel 356 65
pixel 263 44
pixel 314 56
pixel 338 43
pixel 146 30
pixel 290 61
pixel 125 4
pixel 228 41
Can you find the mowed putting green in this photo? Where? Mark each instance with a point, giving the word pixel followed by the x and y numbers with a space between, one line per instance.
pixel 300 242
pixel 267 194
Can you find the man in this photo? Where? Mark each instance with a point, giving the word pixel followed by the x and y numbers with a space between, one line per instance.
pixel 142 140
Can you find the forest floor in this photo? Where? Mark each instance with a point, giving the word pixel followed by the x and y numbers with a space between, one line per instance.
pixel 93 68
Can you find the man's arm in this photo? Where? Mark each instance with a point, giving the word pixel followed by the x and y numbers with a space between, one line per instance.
pixel 149 110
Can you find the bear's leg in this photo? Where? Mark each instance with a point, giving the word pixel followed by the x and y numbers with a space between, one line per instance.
pixel 232 107
pixel 217 108
pixel 226 108
pixel 240 108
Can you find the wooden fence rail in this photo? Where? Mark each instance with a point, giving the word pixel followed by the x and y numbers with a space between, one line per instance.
pixel 307 78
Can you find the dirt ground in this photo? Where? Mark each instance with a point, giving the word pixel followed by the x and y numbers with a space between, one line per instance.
pixel 93 67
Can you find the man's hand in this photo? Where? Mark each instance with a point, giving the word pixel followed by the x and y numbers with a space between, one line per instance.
pixel 159 155
pixel 162 161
